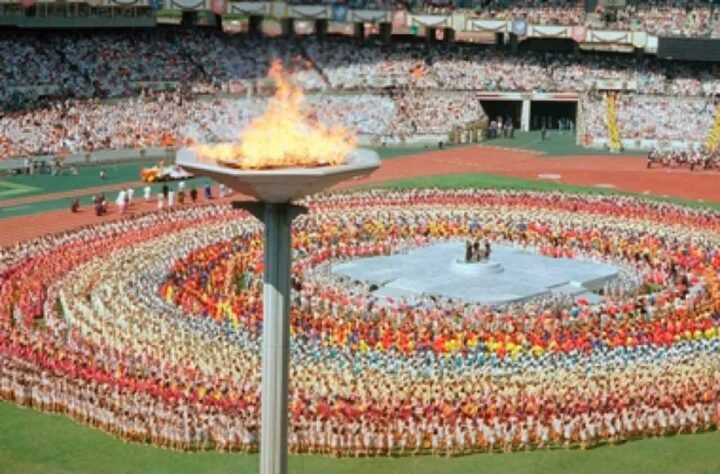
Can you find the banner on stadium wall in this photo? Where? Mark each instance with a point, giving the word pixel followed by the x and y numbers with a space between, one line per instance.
pixel 457 22
pixel 373 16
pixel 602 36
pixel 304 27
pixel 639 39
pixel 189 4
pixel 578 33
pixel 495 26
pixel 339 12
pixel 651 45
pixel 309 11
pixel 278 9
pixel 124 3
pixel 399 18
pixel 431 21
pixel 549 31
pixel 218 7
pixel 249 8
pixel 519 27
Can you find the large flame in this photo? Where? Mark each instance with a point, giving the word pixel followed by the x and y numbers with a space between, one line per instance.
pixel 283 136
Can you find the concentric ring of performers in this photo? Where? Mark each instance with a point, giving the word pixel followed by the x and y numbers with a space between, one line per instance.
pixel 149 328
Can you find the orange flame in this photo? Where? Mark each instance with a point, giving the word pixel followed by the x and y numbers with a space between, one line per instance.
pixel 283 136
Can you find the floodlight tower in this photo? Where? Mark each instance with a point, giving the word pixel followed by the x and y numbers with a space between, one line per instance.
pixel 275 190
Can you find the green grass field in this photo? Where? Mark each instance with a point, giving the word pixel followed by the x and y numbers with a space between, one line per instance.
pixel 24 186
pixel 487 181
pixel 33 442
pixel 557 144
pixel 21 186
pixel 87 177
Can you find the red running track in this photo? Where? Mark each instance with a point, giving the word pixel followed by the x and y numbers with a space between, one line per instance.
pixel 623 173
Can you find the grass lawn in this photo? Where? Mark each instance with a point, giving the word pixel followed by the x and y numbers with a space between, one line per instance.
pixel 557 144
pixel 22 186
pixel 489 181
pixel 32 442
pixel 87 177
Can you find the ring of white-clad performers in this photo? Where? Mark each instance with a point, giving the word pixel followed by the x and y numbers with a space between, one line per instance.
pixel 149 328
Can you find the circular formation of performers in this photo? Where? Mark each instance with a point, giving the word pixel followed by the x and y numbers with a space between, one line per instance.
pixel 692 158
pixel 149 328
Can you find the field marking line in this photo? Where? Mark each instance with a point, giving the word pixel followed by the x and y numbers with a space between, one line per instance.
pixel 13 189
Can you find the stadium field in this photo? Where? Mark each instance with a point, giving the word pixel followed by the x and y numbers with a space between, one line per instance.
pixel 421 237
pixel 32 442
pixel 35 442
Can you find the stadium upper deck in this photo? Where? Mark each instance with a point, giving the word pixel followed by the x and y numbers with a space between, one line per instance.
pixel 583 19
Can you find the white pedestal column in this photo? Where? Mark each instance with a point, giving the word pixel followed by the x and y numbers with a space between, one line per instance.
pixel 525 116
pixel 275 339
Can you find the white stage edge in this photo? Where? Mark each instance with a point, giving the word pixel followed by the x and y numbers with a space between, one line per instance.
pixel 512 275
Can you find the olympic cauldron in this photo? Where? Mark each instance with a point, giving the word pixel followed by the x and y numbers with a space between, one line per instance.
pixel 275 189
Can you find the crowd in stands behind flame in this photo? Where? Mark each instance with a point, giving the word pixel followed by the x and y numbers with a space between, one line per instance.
pixel 385 91
pixel 119 64
pixel 691 18
pixel 654 118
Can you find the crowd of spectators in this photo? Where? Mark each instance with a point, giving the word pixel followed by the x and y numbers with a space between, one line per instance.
pixel 682 120
pixel 658 17
pixel 554 12
pixel 668 18
pixel 394 89
pixel 349 66
pixel 172 119
pixel 121 64
pixel 151 328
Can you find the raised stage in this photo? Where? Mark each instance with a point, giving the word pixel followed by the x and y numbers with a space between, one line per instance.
pixel 511 275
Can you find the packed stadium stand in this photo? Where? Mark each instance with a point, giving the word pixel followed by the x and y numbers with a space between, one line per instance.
pixel 90 89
